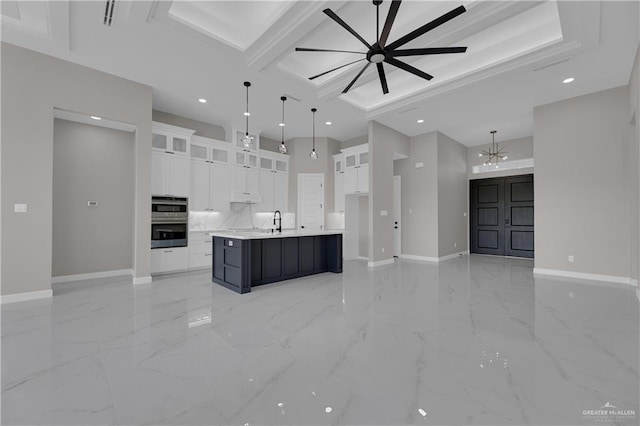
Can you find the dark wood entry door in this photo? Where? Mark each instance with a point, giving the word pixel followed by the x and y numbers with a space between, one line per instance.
pixel 502 216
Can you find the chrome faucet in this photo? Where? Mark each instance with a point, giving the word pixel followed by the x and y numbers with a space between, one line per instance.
pixel 279 219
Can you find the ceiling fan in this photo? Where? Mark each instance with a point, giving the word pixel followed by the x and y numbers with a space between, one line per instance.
pixel 381 52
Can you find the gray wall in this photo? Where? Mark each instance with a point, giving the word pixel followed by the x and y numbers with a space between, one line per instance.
pixel 452 196
pixel 420 197
pixel 206 130
pixel 581 184
pixel 355 141
pixel 91 163
pixel 300 162
pixel 517 149
pixel 634 156
pixel 271 144
pixel 363 225
pixel 32 86
pixel 383 142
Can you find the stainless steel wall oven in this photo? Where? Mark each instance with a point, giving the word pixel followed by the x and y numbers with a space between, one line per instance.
pixel 169 222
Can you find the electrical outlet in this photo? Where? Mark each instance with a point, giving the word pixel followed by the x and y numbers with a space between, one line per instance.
pixel 571 258
pixel 455 245
pixel 383 249
pixel 20 208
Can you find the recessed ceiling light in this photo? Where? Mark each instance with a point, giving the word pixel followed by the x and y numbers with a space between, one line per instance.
pixel 202 100
pixel 568 80
pixel 421 121
pixel 95 117
pixel 247 114
pixel 328 123
pixel 281 124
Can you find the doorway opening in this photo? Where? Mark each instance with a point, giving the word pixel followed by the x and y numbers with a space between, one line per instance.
pixel 502 216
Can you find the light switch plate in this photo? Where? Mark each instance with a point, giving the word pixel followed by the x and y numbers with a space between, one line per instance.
pixel 384 213
pixel 20 208
pixel 419 165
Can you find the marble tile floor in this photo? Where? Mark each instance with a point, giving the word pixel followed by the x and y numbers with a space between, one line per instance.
pixel 475 340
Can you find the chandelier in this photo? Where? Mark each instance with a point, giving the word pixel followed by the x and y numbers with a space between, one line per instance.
pixel 495 153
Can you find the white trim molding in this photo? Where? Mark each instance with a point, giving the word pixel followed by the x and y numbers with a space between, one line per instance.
pixel 634 282
pixel 91 275
pixel 434 259
pixel 419 258
pixel 541 272
pixel 141 280
pixel 24 297
pixel 380 263
pixel 453 256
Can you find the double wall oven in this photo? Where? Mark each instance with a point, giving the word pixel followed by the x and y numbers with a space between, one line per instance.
pixel 169 222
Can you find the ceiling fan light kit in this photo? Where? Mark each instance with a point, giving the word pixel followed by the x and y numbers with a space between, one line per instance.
pixel 380 52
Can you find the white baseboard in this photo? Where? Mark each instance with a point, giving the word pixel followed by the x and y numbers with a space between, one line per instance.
pixel 24 297
pixel 420 258
pixel 634 283
pixel 362 258
pixel 453 256
pixel 141 280
pixel 92 275
pixel 380 263
pixel 540 272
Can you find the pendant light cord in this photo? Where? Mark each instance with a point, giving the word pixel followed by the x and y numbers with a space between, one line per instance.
pixel 284 98
pixel 247 84
pixel 313 110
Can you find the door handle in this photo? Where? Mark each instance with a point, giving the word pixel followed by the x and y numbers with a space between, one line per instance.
pixel 506 221
pixel 395 227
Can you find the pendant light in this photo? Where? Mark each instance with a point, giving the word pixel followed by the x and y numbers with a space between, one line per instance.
pixel 246 139
pixel 495 152
pixel 314 154
pixel 282 148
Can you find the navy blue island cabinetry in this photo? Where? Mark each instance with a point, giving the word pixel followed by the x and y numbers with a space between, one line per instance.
pixel 243 260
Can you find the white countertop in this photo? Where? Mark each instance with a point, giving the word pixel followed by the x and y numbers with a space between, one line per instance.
pixel 258 235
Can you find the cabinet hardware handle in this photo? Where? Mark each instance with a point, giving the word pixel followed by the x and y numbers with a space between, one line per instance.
pixel 208 254
pixel 168 251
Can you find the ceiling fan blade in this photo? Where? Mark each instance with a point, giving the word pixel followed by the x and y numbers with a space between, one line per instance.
pixel 427 27
pixel 427 51
pixel 346 89
pixel 307 49
pixel 336 68
pixel 408 68
pixel 383 78
pixel 391 16
pixel 344 25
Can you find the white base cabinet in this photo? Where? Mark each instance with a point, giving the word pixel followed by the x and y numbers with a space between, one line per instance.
pixel 200 250
pixel 173 259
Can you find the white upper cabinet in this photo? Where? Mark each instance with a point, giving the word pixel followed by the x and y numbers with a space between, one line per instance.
pixel 356 171
pixel 210 175
pixel 169 160
pixel 274 182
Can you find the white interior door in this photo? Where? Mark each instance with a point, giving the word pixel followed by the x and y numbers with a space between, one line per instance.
pixel 311 201
pixel 397 216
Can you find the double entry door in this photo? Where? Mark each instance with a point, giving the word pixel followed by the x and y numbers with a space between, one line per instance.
pixel 502 216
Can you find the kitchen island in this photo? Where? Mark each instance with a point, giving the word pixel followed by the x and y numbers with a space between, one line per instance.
pixel 242 260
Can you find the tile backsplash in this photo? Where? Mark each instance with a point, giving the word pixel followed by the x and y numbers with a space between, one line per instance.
pixel 240 216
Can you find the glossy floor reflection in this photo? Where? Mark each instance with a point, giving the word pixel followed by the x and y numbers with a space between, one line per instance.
pixel 470 341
